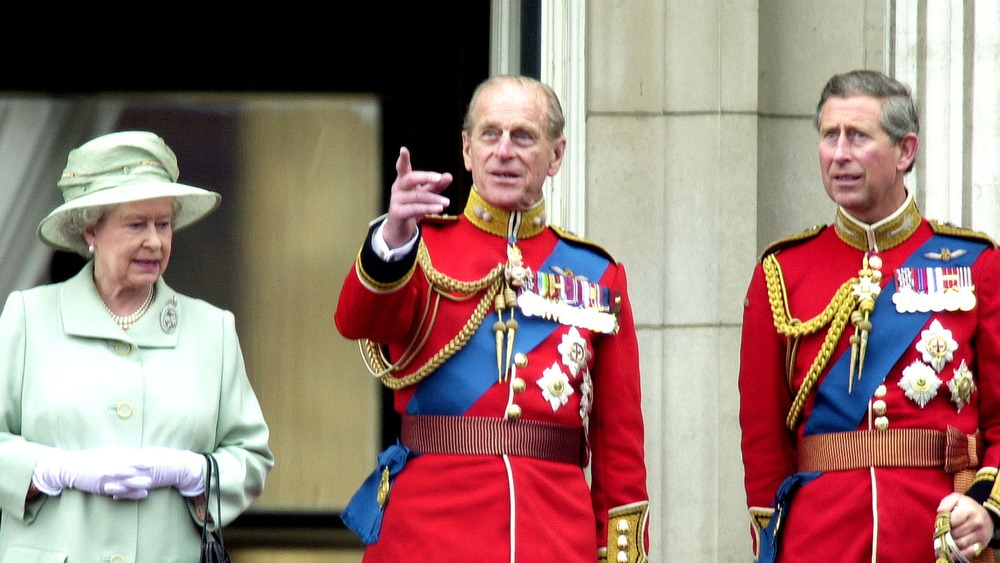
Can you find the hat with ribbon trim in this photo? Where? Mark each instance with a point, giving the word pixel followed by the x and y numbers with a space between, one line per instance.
pixel 118 168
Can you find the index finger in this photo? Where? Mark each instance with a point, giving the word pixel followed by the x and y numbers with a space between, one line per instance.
pixel 403 165
pixel 948 503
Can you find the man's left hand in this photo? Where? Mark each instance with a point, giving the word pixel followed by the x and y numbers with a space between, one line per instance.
pixel 971 525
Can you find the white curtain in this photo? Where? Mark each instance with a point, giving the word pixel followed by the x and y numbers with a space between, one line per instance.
pixel 36 135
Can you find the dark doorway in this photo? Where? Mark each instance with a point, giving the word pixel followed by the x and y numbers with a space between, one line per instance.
pixel 421 59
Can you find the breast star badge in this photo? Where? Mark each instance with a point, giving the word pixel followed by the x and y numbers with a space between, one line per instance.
pixel 962 385
pixel 919 383
pixel 937 345
pixel 555 386
pixel 575 354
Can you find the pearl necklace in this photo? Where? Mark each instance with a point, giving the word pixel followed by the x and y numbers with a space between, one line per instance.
pixel 126 322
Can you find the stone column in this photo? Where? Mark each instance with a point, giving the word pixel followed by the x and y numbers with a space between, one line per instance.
pixel 671 192
pixel 948 51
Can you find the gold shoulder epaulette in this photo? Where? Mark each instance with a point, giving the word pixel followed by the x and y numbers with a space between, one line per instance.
pixel 792 240
pixel 435 218
pixel 942 228
pixel 563 233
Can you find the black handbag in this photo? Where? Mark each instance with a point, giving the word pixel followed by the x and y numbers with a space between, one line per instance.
pixel 213 548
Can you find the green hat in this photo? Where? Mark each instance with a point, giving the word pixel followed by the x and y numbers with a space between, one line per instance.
pixel 118 168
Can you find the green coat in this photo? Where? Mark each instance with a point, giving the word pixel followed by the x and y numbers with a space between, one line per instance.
pixel 71 378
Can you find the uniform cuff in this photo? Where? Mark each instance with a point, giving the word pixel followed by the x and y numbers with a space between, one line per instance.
pixel 380 274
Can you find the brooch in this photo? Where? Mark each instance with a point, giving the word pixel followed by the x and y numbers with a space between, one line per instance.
pixel 169 317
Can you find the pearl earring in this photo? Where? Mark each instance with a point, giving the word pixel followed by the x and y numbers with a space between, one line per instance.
pixel 90 249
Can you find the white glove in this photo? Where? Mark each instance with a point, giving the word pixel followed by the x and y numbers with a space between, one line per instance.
pixel 167 467
pixel 122 487
pixel 102 471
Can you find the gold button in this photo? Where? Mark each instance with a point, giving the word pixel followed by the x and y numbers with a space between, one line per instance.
pixel 520 360
pixel 622 557
pixel 881 423
pixel 123 348
pixel 481 213
pixel 124 410
pixel 880 391
pixel 513 412
pixel 118 559
pixel 518 385
pixel 623 527
pixel 879 407
pixel 622 542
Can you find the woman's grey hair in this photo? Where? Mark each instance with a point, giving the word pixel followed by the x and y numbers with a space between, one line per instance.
pixel 555 121
pixel 79 220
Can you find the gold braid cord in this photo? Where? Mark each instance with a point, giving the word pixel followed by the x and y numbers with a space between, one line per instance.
pixel 942 527
pixel 837 314
pixel 443 286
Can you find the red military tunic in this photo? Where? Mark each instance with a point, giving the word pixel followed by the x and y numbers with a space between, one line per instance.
pixel 504 508
pixel 872 513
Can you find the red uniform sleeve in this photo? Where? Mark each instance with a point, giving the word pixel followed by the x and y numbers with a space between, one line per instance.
pixel 986 274
pixel 767 445
pixel 618 468
pixel 380 300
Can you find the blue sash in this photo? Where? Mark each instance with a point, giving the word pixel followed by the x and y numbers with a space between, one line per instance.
pixel 892 333
pixel 767 548
pixel 467 375
pixel 363 515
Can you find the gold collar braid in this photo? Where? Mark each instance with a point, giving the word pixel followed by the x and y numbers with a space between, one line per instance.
pixel 519 225
pixel 880 236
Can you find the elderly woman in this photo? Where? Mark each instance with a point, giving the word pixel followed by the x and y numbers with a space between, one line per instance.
pixel 113 385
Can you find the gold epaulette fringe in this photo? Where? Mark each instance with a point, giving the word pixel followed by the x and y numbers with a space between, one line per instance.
pixel 837 314
pixel 942 228
pixel 563 233
pixel 792 240
pixel 374 354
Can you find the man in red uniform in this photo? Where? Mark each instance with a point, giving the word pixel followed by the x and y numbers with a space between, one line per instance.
pixel 870 362
pixel 511 350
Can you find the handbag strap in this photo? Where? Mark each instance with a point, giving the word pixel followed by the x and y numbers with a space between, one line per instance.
pixel 212 466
